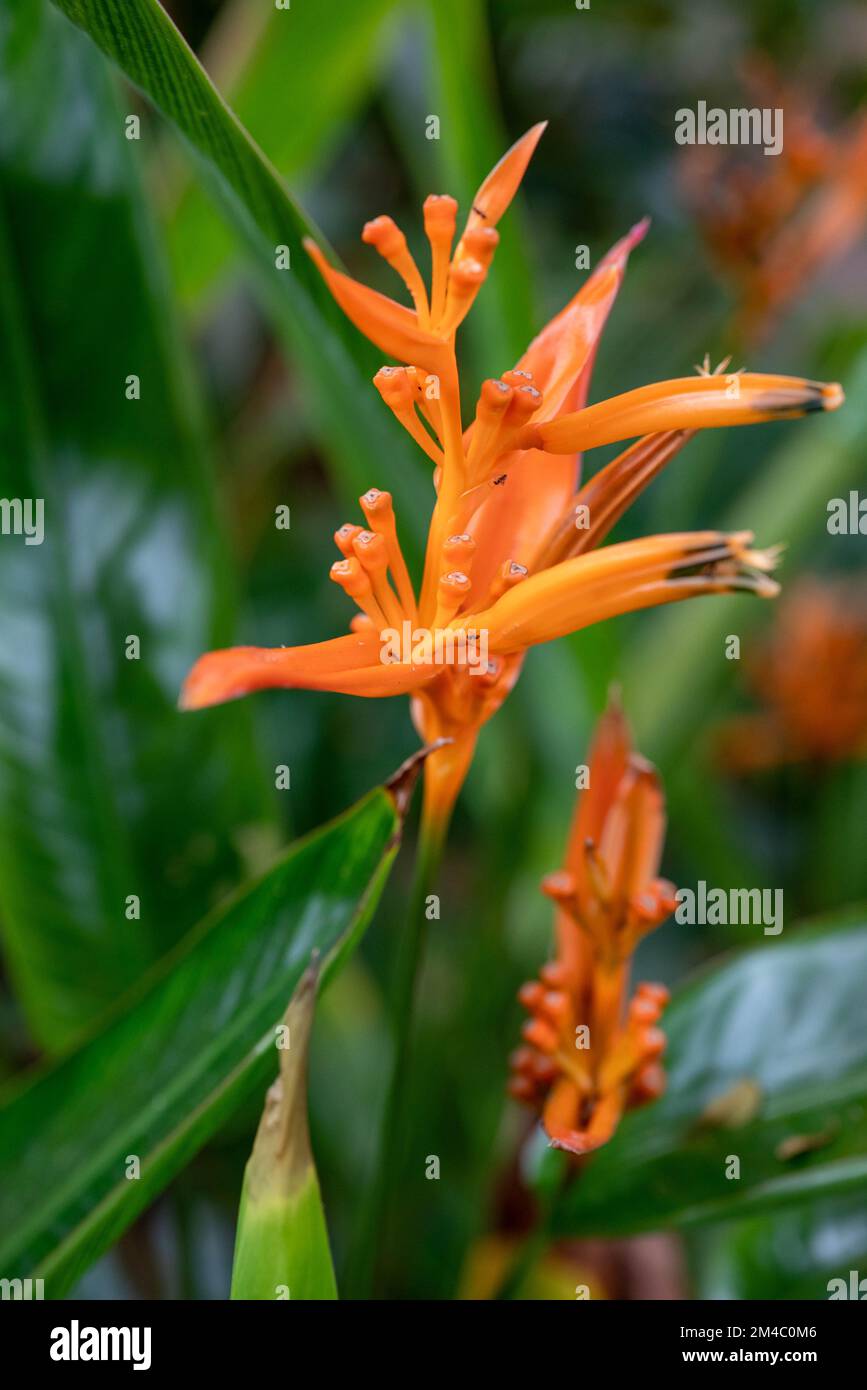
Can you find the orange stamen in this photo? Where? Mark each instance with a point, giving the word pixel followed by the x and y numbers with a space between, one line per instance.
pixel 465 280
pixel 355 582
pixel 399 391
pixel 371 551
pixel 440 218
pixel 379 514
pixel 452 589
pixel 386 237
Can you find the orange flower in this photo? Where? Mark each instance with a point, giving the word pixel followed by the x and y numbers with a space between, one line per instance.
pixel 507 562
pixel 589 1055
pixel 776 223
pixel 810 674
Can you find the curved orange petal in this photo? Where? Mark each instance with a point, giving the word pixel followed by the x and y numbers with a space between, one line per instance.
pixel 690 402
pixel 634 834
pixel 619 579
pixel 514 521
pixel 391 326
pixel 510 522
pixel 603 1121
pixel 605 496
pixel 349 665
pixel 562 1107
pixel 607 762
pixel 502 183
pixel 560 357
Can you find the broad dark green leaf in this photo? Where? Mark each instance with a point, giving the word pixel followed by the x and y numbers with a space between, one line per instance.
pixel 192 1041
pixel 294 82
pixel 366 445
pixel 106 791
pixel 787 1017
pixel 790 1254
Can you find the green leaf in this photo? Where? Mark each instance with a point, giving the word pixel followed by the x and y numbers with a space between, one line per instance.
pixel 295 87
pixel 191 1042
pixel 366 445
pixel 106 791
pixel 281 1245
pixel 791 1254
pixel 785 1022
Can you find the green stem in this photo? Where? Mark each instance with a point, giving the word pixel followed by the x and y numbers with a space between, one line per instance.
pixel 538 1238
pixel 529 1253
pixel 374 1218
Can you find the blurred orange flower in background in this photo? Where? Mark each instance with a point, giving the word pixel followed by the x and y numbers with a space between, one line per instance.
pixel 508 560
pixel 810 675
pixel 589 1054
pixel 775 224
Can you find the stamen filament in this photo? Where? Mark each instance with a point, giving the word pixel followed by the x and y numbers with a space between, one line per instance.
pixel 465 280
pixel 399 391
pixel 352 578
pixel 379 515
pixel 371 550
pixel 440 219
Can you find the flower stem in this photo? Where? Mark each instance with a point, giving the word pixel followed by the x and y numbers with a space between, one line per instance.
pixel 528 1255
pixel 535 1241
pixel 373 1224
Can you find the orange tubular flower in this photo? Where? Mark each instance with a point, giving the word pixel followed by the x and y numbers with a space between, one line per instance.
pixel 588 1055
pixel 810 675
pixel 507 562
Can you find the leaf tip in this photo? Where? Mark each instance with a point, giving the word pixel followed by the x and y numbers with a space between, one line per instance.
pixel 401 784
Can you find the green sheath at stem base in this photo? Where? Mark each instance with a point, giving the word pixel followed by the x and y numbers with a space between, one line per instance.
pixel 281 1247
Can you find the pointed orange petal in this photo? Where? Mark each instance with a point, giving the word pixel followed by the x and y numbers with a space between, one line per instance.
pixel 619 579
pixel 562 1107
pixel 512 518
pixel 632 840
pixel 560 357
pixel 511 522
pixel 604 498
pixel 611 491
pixel 690 402
pixel 600 1128
pixel 501 185
pixel 391 326
pixel 349 665
pixel 607 762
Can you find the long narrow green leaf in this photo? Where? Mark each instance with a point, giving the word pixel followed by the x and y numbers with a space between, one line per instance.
pixel 117 816
pixel 87 1145
pixel 296 85
pixel 281 1246
pixel 366 445
pixel 767 1064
